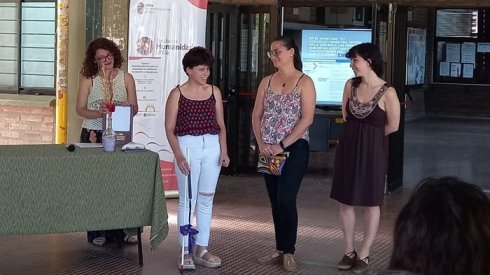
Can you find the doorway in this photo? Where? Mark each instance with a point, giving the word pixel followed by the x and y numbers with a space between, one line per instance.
pixel 239 37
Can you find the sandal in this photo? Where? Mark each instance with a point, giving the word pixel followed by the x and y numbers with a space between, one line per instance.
pixel 188 263
pixel 213 261
pixel 99 241
pixel 130 239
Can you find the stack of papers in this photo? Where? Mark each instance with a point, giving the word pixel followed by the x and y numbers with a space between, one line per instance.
pixel 133 146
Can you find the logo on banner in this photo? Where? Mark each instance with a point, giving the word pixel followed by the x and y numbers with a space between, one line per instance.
pixel 140 8
pixel 144 45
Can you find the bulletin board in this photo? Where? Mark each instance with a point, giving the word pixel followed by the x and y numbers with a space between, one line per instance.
pixel 462 49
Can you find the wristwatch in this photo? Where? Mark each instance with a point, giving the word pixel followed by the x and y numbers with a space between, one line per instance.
pixel 282 145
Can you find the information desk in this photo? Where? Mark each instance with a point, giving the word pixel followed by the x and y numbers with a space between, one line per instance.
pixel 48 189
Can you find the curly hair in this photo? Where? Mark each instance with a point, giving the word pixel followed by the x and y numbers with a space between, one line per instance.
pixel 90 67
pixel 371 53
pixel 443 229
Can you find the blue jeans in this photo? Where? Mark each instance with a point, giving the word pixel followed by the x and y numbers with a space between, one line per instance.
pixel 283 191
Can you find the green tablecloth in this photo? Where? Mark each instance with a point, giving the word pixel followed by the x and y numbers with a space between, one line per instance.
pixel 47 189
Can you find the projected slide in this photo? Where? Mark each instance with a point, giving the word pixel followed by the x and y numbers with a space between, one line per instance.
pixel 323 55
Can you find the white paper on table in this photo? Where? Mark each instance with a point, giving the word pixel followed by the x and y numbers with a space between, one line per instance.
pixel 88 145
pixel 133 146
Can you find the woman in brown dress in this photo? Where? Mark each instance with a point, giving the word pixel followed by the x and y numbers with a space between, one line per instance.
pixel 371 111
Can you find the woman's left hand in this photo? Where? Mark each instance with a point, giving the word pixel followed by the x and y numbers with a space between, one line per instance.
pixel 126 103
pixel 225 160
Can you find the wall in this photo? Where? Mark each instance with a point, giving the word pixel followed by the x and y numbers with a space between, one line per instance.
pixel 26 119
pixel 458 100
pixel 415 106
pixel 342 16
pixel 115 20
pixel 76 47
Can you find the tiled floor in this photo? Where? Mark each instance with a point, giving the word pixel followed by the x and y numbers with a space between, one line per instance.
pixel 242 229
pixel 443 146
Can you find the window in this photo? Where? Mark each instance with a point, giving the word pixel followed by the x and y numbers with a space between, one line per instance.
pixel 27 46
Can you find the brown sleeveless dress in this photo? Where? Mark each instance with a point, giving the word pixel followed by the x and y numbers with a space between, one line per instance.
pixel 361 156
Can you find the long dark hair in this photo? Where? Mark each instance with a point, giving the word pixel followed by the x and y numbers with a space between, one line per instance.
pixel 371 53
pixel 90 67
pixel 289 43
pixel 443 229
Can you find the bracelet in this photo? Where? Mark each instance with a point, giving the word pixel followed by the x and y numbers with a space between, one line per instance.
pixel 282 145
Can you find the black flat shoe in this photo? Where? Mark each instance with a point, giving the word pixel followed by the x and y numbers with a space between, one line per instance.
pixel 347 261
pixel 360 265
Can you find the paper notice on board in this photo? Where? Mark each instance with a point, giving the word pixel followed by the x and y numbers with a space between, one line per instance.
pixel 455 69
pixel 483 48
pixel 444 69
pixel 468 70
pixel 453 52
pixel 468 52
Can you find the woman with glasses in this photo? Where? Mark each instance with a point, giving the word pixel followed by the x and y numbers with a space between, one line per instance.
pixel 283 111
pixel 103 82
pixel 371 111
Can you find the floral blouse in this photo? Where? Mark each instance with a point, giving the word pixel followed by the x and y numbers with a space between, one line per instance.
pixel 281 113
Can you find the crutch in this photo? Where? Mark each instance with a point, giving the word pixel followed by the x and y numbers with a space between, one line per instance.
pixel 187 230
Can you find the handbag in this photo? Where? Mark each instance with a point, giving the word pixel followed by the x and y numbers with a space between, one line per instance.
pixel 272 164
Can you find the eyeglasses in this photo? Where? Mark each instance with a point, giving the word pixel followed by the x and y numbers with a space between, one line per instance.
pixel 274 53
pixel 101 59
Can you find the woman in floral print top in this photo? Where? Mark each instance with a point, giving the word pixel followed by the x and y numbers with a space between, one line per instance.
pixel 283 111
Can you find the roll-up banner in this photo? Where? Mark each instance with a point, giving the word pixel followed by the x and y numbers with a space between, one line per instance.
pixel 160 33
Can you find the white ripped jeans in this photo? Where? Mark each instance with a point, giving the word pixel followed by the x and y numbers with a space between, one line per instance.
pixel 205 166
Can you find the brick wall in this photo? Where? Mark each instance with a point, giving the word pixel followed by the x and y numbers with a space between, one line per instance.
pixel 23 124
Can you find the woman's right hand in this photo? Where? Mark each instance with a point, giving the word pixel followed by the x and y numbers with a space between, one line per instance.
pixel 182 164
pixel 265 149
pixel 103 109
